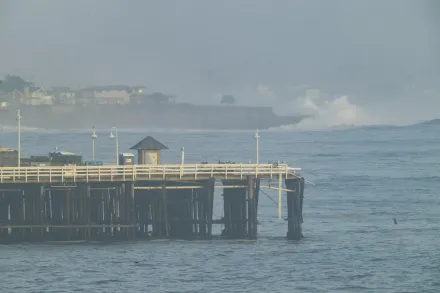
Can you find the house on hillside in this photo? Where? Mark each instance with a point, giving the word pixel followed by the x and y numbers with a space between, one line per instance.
pixel 114 94
pixel 36 96
pixel 64 95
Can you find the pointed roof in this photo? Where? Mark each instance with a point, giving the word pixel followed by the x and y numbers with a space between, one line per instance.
pixel 149 143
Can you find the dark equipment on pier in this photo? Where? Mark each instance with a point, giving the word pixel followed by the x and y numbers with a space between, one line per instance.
pixel 36 161
pixel 8 157
pixel 126 159
pixel 64 158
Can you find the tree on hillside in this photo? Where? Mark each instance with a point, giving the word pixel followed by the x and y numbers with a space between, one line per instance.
pixel 227 99
pixel 14 82
pixel 160 97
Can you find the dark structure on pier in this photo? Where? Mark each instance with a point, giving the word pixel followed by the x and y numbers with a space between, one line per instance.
pixel 136 202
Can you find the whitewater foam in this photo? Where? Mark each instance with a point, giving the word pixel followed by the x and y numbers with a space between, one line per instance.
pixel 334 113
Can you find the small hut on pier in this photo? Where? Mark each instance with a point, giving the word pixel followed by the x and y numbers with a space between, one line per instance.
pixel 149 150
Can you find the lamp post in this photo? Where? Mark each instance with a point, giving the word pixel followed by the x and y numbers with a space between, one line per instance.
pixel 19 136
pixel 182 161
pixel 94 136
pixel 257 137
pixel 115 137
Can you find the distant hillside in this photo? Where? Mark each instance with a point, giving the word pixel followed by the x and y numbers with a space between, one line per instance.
pixel 431 122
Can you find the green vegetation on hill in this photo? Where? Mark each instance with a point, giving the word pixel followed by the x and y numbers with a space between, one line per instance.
pixel 13 82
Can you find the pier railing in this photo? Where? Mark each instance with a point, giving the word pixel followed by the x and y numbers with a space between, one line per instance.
pixel 108 173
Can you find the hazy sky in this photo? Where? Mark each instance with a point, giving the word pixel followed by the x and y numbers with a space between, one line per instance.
pixel 201 46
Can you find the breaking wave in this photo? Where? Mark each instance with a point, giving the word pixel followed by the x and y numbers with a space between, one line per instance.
pixel 327 112
pixel 337 113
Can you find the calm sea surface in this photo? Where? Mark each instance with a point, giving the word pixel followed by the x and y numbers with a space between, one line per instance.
pixel 363 179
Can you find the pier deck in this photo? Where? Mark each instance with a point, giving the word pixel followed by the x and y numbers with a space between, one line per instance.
pixel 174 172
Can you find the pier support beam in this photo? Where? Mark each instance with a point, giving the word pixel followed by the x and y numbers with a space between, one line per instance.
pixel 143 216
pixel 209 189
pixel 4 216
pixel 179 216
pixel 235 209
pixel 132 210
pixel 252 199
pixel 165 226
pixel 294 208
pixel 16 210
pixel 42 210
pixel 180 211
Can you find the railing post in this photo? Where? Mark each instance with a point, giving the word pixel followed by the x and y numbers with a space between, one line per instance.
pixel 226 171
pixel 134 170
pixel 1 176
pixel 38 174
pixel 87 174
pixel 74 173
pixel 195 174
pixel 50 175
pixel 212 170
pixel 25 175
pixel 99 174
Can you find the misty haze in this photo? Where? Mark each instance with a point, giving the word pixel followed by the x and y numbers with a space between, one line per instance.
pixel 341 62
pixel 219 146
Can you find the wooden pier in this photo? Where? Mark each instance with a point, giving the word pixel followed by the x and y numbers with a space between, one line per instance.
pixel 111 202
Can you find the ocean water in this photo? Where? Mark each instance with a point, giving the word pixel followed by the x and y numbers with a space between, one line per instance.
pixel 363 179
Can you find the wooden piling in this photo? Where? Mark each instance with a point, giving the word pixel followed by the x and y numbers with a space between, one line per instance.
pixel 165 227
pixel 252 209
pixel 132 211
pixel 16 211
pixel 41 210
pixel 235 209
pixel 209 186
pixel 294 208
pixel 4 216
pixel 88 211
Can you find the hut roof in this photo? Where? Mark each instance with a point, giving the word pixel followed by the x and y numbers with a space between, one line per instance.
pixel 149 143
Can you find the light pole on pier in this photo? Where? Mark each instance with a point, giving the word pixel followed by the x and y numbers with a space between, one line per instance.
pixel 19 136
pixel 94 136
pixel 115 137
pixel 182 150
pixel 257 140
